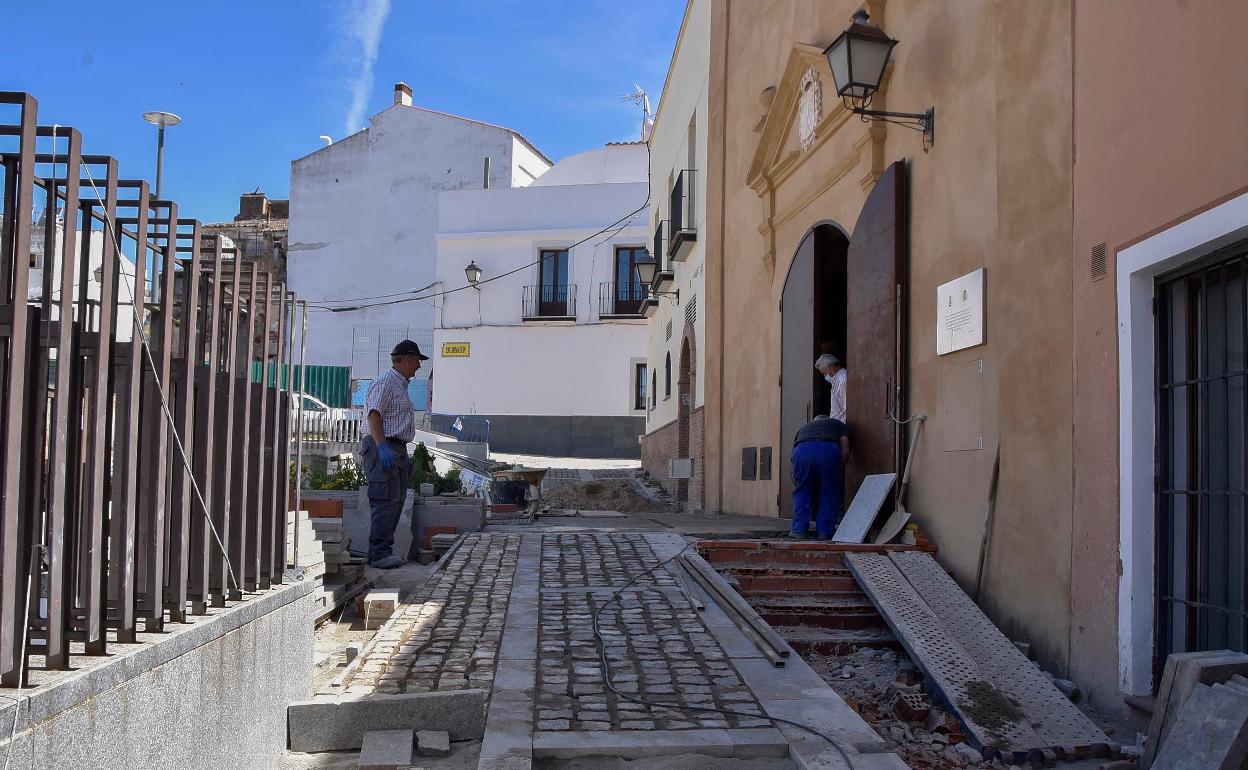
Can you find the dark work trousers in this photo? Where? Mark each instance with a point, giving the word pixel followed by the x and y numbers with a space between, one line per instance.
pixel 817 480
pixel 387 489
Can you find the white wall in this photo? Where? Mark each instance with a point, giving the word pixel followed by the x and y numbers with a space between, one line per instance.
pixel 518 367
pixel 125 285
pixel 573 370
pixel 684 100
pixel 615 163
pixel 363 212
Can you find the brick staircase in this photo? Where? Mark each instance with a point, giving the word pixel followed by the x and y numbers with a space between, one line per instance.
pixel 804 590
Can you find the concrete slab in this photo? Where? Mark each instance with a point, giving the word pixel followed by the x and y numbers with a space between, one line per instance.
pixel 339 724
pixel 386 750
pixel 1183 671
pixel 1210 732
pixel 740 744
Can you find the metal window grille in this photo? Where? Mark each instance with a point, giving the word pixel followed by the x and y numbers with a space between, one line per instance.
pixel 1201 462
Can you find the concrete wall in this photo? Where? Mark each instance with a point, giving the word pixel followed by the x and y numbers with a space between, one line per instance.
pixel 995 192
pixel 590 436
pixel 210 694
pixel 684 103
pixel 363 212
pixel 526 369
pixel 1142 166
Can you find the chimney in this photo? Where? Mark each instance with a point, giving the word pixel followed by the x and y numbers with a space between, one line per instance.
pixel 403 94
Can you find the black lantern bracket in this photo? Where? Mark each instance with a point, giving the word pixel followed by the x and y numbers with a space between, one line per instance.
pixel 672 296
pixel 924 122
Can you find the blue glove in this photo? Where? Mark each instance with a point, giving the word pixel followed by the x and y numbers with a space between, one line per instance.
pixel 386 456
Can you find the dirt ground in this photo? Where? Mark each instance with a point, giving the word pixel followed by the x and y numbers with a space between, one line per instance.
pixel 605 495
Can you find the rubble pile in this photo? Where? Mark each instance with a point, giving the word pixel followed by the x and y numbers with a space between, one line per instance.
pixel 605 495
pixel 885 688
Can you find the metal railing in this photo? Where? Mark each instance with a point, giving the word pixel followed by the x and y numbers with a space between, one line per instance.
pixel 146 479
pixel 680 211
pixel 620 299
pixel 550 301
pixel 337 426
pixel 660 243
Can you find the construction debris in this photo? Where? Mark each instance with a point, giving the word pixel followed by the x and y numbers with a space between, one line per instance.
pixel 1006 705
pixel 606 495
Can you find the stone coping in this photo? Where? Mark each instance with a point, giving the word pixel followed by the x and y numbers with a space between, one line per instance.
pixel 67 689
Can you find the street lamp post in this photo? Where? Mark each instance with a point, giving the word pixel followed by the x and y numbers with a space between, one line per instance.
pixel 161 120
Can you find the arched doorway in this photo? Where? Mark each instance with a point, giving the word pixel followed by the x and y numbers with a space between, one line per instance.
pixel 686 392
pixel 813 319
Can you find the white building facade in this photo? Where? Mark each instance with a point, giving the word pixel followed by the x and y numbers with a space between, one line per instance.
pixel 363 212
pixel 550 346
pixel 675 349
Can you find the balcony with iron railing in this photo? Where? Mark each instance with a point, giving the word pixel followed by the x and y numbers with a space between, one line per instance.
pixel 620 300
pixel 549 302
pixel 682 228
pixel 666 273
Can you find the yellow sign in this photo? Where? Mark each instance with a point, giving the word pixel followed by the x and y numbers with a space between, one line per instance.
pixel 456 349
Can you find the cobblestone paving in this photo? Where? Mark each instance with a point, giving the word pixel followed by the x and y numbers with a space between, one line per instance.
pixel 657 647
pixel 447 635
pixel 599 561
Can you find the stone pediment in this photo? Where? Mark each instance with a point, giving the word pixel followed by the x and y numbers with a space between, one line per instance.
pixel 804 111
pixel 804 114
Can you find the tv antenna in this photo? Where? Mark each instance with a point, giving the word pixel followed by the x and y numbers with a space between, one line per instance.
pixel 641 99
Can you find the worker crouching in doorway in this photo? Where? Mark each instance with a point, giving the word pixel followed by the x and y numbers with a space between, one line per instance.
pixel 391 425
pixel 820 450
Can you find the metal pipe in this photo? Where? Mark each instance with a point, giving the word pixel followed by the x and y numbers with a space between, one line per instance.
pixel 303 352
pixel 710 578
pixel 486 184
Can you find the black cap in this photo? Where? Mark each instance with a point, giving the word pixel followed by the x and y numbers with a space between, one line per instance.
pixel 408 348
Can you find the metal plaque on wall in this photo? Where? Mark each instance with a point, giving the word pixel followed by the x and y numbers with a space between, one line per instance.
pixel 960 313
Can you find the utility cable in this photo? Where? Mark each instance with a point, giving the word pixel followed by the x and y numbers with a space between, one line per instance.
pixel 606 667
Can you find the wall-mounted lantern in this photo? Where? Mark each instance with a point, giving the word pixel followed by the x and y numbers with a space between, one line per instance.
pixel 472 273
pixel 646 270
pixel 858 59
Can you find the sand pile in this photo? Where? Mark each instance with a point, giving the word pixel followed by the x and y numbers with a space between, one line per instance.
pixel 611 495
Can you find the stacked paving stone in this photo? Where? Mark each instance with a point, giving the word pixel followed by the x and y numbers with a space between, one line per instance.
pixel 657 647
pixel 447 636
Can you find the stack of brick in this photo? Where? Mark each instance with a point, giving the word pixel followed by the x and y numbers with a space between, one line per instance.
pixel 323 553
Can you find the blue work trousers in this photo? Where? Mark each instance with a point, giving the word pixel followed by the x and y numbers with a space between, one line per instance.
pixel 817 481
pixel 387 490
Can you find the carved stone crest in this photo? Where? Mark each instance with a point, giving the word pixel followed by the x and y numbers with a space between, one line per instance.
pixel 809 108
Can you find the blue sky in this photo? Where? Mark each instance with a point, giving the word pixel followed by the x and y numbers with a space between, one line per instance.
pixel 257 82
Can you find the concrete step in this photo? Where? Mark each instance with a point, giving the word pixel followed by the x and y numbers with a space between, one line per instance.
pixel 843 611
pixel 812 582
pixel 807 640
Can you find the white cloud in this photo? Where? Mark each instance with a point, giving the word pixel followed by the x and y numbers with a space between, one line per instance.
pixel 363 23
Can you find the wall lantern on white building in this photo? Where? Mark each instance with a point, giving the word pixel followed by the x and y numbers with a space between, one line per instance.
pixel 473 273
pixel 858 59
pixel 646 269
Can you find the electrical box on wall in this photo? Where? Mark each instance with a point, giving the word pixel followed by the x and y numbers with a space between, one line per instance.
pixel 680 468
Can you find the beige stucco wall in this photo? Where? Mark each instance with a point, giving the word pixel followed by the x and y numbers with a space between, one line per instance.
pixel 995 192
pixel 1160 102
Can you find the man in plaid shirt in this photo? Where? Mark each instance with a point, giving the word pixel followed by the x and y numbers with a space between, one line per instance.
pixel 391 425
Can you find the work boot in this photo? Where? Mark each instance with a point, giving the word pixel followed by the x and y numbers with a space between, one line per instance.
pixel 796 536
pixel 389 562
